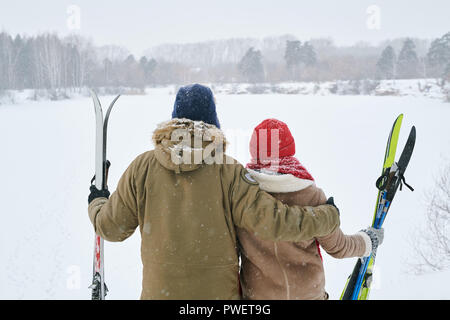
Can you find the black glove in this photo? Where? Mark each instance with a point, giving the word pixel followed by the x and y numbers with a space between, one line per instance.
pixel 95 193
pixel 330 202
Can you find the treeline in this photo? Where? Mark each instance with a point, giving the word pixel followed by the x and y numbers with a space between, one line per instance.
pixel 50 62
pixel 409 65
pixel 302 64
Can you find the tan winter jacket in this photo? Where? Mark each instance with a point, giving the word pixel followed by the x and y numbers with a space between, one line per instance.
pixel 187 214
pixel 292 270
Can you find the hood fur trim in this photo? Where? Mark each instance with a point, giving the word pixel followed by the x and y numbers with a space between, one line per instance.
pixel 279 183
pixel 197 135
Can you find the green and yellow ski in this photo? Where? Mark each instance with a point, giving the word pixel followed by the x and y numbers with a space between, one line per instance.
pixel 358 284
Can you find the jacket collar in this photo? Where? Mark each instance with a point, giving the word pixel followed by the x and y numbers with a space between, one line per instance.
pixel 279 183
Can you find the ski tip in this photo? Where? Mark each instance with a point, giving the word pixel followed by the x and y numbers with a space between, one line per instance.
pixel 116 98
pixel 94 96
pixel 113 103
pixel 413 131
pixel 397 123
pixel 92 92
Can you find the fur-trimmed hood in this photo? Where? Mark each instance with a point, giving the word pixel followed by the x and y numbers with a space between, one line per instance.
pixel 279 183
pixel 185 145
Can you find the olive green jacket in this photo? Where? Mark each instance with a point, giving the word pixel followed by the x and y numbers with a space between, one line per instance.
pixel 187 214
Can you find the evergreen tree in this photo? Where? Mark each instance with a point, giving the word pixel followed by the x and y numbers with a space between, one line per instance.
pixel 130 61
pixel 293 58
pixel 446 73
pixel 308 54
pixel 107 72
pixel 251 66
pixel 133 75
pixel 408 62
pixel 148 67
pixel 297 56
pixel 386 64
pixel 438 57
pixel 293 53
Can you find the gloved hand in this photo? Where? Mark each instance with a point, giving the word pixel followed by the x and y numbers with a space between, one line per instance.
pixel 95 193
pixel 330 202
pixel 376 237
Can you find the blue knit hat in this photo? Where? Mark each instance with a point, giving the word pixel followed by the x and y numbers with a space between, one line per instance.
pixel 196 102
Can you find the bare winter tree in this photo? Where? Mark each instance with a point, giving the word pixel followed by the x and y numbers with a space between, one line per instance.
pixel 7 59
pixel 81 57
pixel 51 59
pixel 432 244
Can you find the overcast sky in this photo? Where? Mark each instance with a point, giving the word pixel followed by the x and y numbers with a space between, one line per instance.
pixel 139 24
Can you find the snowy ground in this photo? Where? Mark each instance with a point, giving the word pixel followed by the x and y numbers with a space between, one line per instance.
pixel 47 161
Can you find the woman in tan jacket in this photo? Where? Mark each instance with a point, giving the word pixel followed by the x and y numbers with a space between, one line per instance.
pixel 290 270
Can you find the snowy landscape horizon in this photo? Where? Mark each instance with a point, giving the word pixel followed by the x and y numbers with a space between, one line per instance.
pixel 429 88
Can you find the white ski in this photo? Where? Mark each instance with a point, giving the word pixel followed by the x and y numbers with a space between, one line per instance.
pixel 98 285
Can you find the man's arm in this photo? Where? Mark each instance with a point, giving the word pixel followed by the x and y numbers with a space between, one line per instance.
pixel 116 219
pixel 269 219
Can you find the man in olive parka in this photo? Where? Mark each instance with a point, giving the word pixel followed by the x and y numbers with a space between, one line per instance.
pixel 187 198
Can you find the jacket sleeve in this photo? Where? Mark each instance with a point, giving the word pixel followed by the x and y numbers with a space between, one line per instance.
pixel 116 219
pixel 340 246
pixel 270 219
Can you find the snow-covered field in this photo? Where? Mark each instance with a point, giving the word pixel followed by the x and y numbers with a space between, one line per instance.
pixel 47 162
